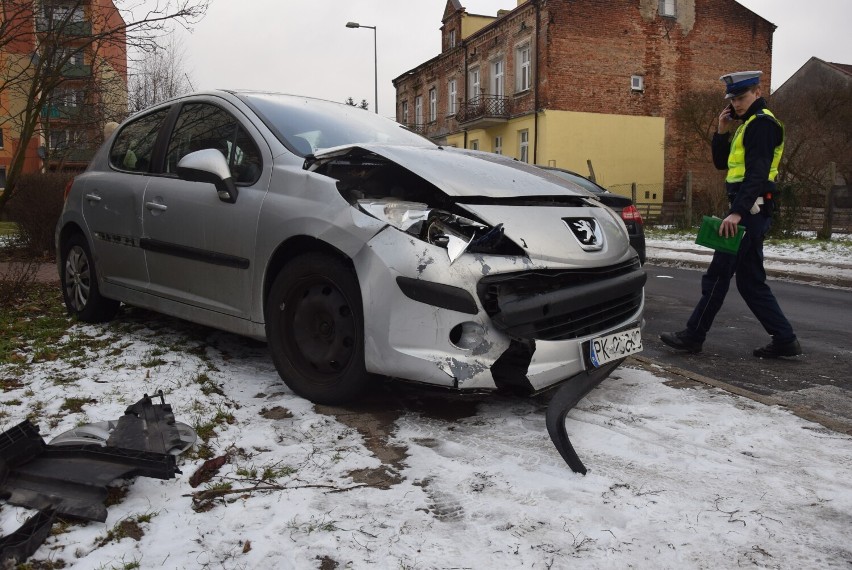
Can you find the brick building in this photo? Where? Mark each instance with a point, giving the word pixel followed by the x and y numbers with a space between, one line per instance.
pixel 571 83
pixel 88 88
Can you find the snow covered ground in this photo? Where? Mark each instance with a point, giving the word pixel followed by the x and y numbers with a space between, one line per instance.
pixel 680 475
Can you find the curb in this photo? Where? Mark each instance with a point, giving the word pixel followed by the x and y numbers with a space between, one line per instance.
pixel 834 424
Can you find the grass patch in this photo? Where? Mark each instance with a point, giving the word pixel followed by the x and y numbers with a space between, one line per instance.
pixel 33 327
pixel 75 405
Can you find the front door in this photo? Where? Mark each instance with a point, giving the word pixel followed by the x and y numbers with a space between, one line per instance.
pixel 199 249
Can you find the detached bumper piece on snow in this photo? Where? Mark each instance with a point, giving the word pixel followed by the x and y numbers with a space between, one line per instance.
pixel 22 543
pixel 71 480
pixel 566 397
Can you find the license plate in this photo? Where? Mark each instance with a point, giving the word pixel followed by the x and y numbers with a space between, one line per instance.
pixel 614 346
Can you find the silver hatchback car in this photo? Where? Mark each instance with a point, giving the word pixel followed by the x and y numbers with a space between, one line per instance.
pixel 352 246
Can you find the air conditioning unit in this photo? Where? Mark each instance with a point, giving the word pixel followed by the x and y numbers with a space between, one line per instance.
pixel 637 83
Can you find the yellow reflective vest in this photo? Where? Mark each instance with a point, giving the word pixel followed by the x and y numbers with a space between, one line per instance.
pixel 736 157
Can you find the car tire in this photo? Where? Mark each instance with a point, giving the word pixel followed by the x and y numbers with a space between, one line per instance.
pixel 315 329
pixel 79 282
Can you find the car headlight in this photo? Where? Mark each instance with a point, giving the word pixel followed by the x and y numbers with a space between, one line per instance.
pixel 452 232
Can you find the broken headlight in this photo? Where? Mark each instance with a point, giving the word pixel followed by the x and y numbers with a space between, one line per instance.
pixel 457 234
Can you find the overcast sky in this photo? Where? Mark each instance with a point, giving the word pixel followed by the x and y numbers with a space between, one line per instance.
pixel 303 47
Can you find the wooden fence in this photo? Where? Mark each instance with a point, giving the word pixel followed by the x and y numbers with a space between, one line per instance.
pixel 808 219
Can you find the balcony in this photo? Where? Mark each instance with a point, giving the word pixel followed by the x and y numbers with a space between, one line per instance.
pixel 72 28
pixel 418 128
pixel 76 71
pixel 484 111
pixel 60 112
pixel 71 156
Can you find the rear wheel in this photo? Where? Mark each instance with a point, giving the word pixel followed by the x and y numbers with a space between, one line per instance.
pixel 315 329
pixel 80 283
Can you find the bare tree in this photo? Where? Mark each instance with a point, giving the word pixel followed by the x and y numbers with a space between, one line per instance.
pixel 36 66
pixel 158 75
pixel 817 114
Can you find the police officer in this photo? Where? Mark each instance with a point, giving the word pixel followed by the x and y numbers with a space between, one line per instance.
pixel 751 155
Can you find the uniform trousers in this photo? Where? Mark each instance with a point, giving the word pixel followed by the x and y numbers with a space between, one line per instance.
pixel 747 265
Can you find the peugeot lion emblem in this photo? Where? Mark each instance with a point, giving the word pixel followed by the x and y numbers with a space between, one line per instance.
pixel 587 232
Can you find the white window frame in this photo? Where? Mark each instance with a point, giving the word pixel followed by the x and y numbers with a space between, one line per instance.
pixel 498 68
pixel 418 110
pixel 405 112
pixel 451 39
pixel 452 90
pixel 668 8
pixel 433 105
pixel 524 145
pixel 523 66
pixel 637 83
pixel 473 83
pixel 498 145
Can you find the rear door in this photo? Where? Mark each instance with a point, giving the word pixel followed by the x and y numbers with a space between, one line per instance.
pixel 199 249
pixel 112 202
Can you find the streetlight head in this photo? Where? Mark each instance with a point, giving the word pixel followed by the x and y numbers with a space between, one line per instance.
pixel 353 25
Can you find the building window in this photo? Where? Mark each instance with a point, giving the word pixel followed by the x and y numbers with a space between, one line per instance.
pixel 2 177
pixel 497 78
pixel 498 145
pixel 1 138
pixel 667 8
pixel 58 140
pixel 453 93
pixel 474 144
pixel 524 145
pixel 418 110
pixel 405 112
pixel 637 83
pixel 473 84
pixel 433 105
pixel 523 67
pixel 451 39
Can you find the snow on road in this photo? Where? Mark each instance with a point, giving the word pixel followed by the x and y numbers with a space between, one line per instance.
pixel 680 476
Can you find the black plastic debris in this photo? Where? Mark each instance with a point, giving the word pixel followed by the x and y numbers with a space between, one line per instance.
pixel 21 544
pixel 72 478
pixel 566 397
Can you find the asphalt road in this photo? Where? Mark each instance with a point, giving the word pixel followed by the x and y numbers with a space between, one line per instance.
pixel 822 318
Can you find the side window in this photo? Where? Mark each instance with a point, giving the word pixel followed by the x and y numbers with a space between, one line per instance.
pixel 134 145
pixel 201 126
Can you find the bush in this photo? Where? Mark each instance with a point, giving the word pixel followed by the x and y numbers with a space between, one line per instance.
pixel 36 207
pixel 785 219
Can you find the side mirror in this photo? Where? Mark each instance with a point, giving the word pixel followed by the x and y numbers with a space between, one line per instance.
pixel 209 166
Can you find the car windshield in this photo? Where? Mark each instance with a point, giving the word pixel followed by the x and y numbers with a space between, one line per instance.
pixel 306 125
pixel 579 180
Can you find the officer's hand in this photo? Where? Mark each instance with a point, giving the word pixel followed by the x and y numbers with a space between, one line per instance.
pixel 725 120
pixel 728 228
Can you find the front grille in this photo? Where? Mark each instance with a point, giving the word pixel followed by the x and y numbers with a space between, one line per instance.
pixel 562 304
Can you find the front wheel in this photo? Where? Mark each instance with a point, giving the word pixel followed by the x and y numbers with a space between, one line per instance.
pixel 79 281
pixel 315 329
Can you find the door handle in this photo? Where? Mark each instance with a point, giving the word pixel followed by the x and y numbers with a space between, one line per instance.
pixel 92 197
pixel 155 206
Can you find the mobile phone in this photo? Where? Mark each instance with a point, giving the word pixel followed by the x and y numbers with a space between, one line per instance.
pixel 732 113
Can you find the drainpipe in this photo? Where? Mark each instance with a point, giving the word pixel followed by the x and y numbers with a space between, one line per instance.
pixel 535 83
pixel 464 79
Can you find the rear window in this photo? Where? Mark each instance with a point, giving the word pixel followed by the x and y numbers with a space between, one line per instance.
pixel 134 144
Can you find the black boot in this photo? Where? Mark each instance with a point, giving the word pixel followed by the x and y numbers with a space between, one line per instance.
pixel 681 340
pixel 776 350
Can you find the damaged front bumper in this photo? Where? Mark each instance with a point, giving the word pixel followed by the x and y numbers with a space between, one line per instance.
pixel 483 322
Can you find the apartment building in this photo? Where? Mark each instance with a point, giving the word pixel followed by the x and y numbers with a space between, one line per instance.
pixel 587 85
pixel 88 85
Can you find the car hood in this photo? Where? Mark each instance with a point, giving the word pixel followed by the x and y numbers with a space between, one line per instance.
pixel 465 173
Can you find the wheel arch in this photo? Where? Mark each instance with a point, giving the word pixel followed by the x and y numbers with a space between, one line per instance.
pixel 293 247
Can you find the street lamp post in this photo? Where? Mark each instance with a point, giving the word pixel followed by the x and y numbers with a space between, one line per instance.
pixel 375 61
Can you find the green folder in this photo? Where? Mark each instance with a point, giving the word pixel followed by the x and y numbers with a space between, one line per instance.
pixel 708 236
